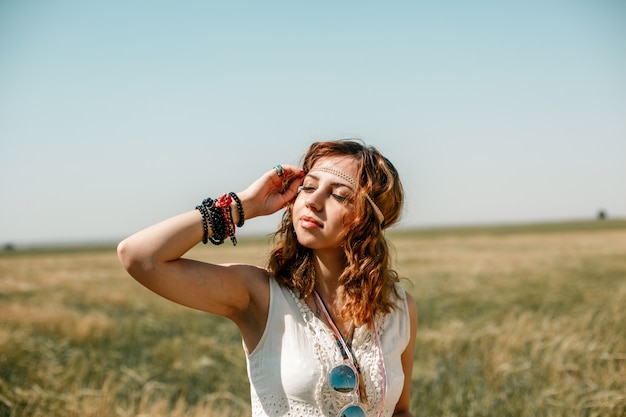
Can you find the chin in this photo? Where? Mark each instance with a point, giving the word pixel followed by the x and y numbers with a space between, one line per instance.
pixel 306 241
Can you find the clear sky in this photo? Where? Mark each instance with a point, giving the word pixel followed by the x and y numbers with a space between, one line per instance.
pixel 117 114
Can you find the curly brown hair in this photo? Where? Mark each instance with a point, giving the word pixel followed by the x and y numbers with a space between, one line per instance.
pixel 368 280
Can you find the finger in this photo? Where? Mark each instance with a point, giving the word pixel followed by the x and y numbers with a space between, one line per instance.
pixel 291 190
pixel 290 172
pixel 283 175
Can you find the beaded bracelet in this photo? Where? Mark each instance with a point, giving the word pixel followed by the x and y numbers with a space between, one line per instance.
pixel 224 203
pixel 218 225
pixel 239 209
pixel 205 218
pixel 217 214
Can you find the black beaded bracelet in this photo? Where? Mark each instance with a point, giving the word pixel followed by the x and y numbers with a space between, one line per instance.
pixel 212 217
pixel 218 225
pixel 217 214
pixel 239 209
pixel 231 226
pixel 206 219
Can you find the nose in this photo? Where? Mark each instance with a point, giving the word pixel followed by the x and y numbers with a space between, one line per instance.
pixel 313 202
pixel 310 204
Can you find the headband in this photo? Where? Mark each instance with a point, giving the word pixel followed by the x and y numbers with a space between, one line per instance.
pixel 325 168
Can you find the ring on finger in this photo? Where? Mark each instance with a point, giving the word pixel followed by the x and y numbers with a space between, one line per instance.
pixel 279 170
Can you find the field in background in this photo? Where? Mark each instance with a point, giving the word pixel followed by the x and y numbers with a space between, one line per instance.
pixel 514 321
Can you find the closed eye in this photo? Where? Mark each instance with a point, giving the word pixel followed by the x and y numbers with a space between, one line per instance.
pixel 338 197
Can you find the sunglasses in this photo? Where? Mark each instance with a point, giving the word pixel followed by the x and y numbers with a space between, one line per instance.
pixel 343 379
pixel 347 379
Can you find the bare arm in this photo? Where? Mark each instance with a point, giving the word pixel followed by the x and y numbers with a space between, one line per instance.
pixel 402 407
pixel 154 256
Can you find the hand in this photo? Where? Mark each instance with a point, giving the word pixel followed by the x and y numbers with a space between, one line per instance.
pixel 271 192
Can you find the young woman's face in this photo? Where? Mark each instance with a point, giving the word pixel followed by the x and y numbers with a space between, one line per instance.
pixel 324 205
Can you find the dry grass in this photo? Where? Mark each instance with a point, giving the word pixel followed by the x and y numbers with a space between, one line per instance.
pixel 523 322
pixel 519 324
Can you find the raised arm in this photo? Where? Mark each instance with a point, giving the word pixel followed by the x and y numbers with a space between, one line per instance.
pixel 154 256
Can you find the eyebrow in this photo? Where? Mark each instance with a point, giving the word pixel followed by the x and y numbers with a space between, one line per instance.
pixel 340 184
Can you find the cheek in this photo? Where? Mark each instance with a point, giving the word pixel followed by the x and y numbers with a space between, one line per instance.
pixel 347 218
pixel 298 202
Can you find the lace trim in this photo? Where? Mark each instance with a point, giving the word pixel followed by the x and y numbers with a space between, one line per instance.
pixel 328 356
pixel 280 406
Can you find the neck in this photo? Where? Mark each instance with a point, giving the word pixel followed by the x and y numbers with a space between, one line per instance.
pixel 328 268
pixel 329 265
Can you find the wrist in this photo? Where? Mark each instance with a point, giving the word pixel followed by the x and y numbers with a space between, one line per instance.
pixel 247 205
pixel 236 216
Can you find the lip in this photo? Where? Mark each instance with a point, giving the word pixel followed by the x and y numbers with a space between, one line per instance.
pixel 309 222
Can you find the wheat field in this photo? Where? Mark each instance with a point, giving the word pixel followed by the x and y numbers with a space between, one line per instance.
pixel 514 321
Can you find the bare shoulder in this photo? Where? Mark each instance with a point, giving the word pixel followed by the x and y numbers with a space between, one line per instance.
pixel 247 271
pixel 255 278
pixel 257 287
pixel 252 317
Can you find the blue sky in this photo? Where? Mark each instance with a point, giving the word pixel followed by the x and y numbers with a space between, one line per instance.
pixel 117 114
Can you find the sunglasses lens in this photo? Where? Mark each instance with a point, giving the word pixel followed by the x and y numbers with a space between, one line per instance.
pixel 352 411
pixel 342 378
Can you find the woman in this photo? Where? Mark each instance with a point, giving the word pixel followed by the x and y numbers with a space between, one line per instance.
pixel 326 328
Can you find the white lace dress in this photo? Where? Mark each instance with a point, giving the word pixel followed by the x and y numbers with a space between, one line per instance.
pixel 288 369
